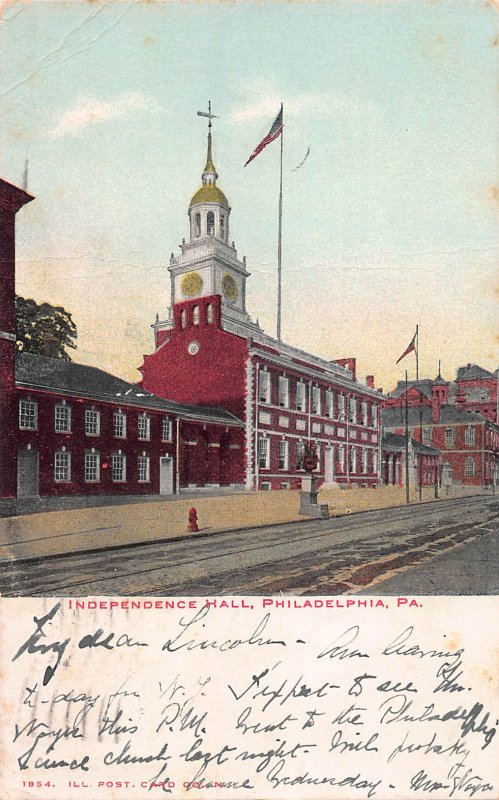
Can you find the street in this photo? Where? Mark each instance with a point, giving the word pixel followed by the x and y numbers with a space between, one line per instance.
pixel 427 549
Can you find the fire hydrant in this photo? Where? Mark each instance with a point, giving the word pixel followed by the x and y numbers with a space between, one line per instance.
pixel 192 521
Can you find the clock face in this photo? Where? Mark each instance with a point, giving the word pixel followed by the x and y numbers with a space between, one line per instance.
pixel 191 285
pixel 193 348
pixel 229 287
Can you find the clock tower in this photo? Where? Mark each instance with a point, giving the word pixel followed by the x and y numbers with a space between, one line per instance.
pixel 208 264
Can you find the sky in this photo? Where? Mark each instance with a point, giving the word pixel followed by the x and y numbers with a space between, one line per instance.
pixel 391 222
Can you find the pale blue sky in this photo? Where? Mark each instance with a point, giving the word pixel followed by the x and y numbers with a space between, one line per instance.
pixel 391 221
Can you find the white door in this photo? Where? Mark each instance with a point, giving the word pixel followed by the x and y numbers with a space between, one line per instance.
pixel 166 475
pixel 27 473
pixel 329 465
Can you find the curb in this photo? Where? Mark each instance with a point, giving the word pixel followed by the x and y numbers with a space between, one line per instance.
pixel 218 531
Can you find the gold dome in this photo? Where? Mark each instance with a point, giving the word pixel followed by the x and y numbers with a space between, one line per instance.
pixel 208 194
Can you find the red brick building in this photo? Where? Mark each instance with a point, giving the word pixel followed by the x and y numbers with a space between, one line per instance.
pixel 424 461
pixel 469 442
pixel 69 429
pixel 209 351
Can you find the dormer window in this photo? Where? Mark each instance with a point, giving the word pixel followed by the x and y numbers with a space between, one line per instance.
pixel 197 226
pixel 210 223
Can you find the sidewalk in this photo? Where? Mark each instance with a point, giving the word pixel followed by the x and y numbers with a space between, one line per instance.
pixel 76 530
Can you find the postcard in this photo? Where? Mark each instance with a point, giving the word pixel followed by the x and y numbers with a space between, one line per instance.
pixel 249 399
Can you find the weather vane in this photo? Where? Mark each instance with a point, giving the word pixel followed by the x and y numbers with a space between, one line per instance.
pixel 209 114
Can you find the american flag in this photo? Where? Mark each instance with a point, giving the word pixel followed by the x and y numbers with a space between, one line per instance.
pixel 409 349
pixel 273 133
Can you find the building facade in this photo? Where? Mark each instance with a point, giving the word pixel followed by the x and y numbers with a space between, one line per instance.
pixel 468 442
pixel 208 350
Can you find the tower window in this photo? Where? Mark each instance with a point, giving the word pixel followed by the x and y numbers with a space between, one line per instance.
pixel 183 318
pixel 210 223
pixel 195 315
pixel 222 226
pixel 197 226
pixel 209 313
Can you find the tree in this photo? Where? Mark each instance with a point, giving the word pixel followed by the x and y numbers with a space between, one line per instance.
pixel 44 329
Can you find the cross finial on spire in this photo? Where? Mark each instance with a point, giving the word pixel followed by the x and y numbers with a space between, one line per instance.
pixel 210 174
pixel 209 115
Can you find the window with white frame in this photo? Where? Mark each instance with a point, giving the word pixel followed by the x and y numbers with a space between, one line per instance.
pixel 119 424
pixel 469 468
pixel 449 437
pixel 374 415
pixel 195 315
pixel 283 454
pixel 263 453
pixel 329 403
pixel 316 400
pixel 92 467
pixel 352 410
pixel 353 460
pixel 469 436
pixel 427 436
pixel 365 457
pixel 375 462
pixel 341 458
pixel 300 396
pixel 341 406
pixel 144 427
pixel 118 468
pixel 300 454
pixel 364 414
pixel 92 422
pixel 283 392
pixel 62 466
pixel 166 429
pixel 144 463
pixel 263 386
pixel 28 415
pixel 62 418
pixel 209 313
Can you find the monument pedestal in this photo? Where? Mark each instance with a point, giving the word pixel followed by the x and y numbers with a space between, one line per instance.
pixel 309 506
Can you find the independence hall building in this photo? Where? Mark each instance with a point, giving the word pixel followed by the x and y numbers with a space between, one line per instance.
pixel 209 351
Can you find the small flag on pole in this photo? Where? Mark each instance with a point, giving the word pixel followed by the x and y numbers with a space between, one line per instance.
pixel 409 349
pixel 273 133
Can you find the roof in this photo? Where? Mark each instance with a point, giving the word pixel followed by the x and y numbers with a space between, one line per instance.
pixel 209 194
pixel 424 386
pixel 450 413
pixel 68 377
pixel 396 442
pixel 473 372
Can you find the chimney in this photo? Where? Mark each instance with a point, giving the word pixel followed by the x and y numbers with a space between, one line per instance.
pixel 370 381
pixel 435 408
pixel 349 363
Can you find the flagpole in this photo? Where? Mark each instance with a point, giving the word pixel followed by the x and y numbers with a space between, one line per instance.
pixel 420 464
pixel 407 499
pixel 279 249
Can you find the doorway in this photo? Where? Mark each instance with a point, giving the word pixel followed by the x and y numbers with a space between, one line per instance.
pixel 166 475
pixel 28 473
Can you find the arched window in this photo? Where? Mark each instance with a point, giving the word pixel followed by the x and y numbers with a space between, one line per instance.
pixel 210 223
pixel 469 468
pixel 197 226
pixel 222 226
pixel 183 318
pixel 209 313
pixel 195 315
